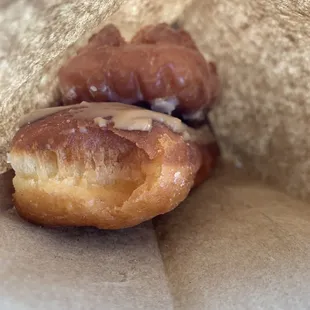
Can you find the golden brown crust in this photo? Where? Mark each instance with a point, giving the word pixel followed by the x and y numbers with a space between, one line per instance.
pixel 210 154
pixel 72 172
pixel 160 62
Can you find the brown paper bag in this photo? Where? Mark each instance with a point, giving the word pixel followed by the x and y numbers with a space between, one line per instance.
pixel 235 243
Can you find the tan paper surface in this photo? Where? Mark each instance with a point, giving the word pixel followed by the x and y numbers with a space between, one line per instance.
pixel 77 268
pixel 262 52
pixel 235 243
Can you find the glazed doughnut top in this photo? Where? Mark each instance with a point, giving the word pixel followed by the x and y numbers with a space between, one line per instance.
pixel 159 63
pixel 126 117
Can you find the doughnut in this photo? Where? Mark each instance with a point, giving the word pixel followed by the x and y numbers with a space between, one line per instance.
pixel 161 66
pixel 106 165
pixel 131 139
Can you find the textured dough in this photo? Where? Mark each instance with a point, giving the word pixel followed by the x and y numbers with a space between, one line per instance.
pixel 72 172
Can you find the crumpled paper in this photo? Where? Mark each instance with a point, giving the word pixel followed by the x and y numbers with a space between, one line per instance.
pixel 235 243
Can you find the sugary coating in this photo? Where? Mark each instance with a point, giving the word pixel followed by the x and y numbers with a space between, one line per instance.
pixel 166 64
